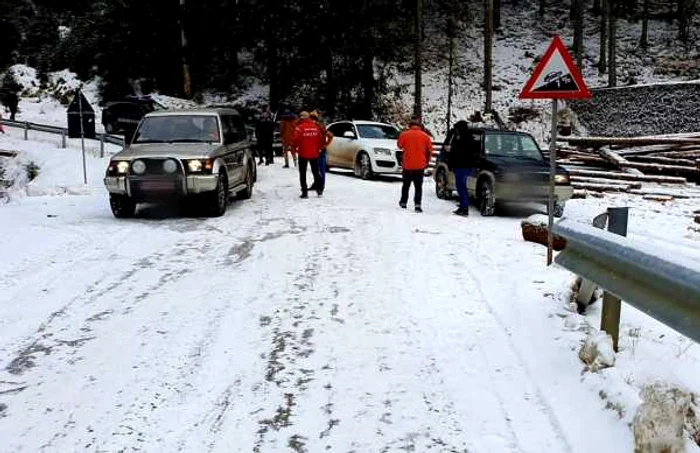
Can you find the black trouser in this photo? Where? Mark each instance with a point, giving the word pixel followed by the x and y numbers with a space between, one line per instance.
pixel 265 150
pixel 318 185
pixel 415 177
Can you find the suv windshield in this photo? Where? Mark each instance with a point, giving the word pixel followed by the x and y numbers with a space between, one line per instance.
pixel 178 128
pixel 512 146
pixel 378 131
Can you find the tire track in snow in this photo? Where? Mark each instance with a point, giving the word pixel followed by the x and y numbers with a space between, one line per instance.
pixel 539 399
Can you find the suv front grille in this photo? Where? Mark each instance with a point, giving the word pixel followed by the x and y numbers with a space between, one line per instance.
pixel 154 167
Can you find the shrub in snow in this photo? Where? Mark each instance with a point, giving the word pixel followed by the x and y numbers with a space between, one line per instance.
pixel 26 78
pixel 597 351
pixel 659 421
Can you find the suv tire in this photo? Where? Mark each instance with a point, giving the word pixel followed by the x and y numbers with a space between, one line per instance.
pixel 487 198
pixel 122 206
pixel 363 166
pixel 246 193
pixel 217 201
pixel 441 184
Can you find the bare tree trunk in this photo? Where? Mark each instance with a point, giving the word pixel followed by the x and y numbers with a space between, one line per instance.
pixel 596 7
pixel 612 41
pixel 577 9
pixel 488 56
pixel 644 40
pixel 496 15
pixel 543 4
pixel 186 79
pixel 603 61
pixel 450 72
pixel 418 61
pixel 683 21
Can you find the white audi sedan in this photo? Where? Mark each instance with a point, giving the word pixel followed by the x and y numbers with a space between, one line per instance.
pixel 366 147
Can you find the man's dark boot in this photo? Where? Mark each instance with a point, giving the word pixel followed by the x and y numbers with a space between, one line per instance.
pixel 304 195
pixel 419 209
pixel 403 205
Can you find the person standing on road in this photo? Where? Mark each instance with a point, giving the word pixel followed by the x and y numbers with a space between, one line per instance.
pixel 461 159
pixel 417 150
pixel 308 142
pixel 287 126
pixel 264 132
pixel 322 158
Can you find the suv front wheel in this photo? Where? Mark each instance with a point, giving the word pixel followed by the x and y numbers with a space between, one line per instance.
pixel 217 201
pixel 122 206
pixel 363 166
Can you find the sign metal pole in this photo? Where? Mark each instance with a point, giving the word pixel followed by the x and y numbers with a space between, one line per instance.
pixel 552 182
pixel 82 134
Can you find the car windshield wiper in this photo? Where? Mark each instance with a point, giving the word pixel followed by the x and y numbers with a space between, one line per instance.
pixel 138 142
pixel 190 140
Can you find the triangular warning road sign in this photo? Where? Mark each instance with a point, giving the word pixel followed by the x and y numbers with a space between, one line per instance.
pixel 556 76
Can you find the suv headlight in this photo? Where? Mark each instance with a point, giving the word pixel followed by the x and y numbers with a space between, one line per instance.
pixel 199 165
pixel 138 167
pixel 561 179
pixel 118 168
pixel 384 151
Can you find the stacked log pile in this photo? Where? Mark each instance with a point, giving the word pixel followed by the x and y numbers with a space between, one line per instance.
pixel 612 165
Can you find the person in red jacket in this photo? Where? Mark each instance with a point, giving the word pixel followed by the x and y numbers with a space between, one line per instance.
pixel 417 150
pixel 309 140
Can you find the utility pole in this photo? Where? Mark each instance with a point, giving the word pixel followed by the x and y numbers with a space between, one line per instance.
pixel 488 56
pixel 186 80
pixel 418 60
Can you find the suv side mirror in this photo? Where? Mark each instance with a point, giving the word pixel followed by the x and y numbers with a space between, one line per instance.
pixel 349 134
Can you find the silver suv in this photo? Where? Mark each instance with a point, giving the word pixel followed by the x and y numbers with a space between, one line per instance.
pixel 184 154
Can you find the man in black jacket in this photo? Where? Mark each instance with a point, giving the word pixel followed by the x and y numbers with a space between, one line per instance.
pixel 264 133
pixel 462 159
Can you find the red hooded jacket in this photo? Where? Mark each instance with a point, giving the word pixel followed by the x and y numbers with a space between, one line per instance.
pixel 309 139
pixel 417 148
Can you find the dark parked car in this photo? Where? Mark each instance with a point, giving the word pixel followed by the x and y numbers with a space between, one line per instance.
pixel 511 168
pixel 122 117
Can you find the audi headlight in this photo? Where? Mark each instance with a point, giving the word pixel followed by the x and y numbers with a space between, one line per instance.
pixel 384 151
pixel 138 167
pixel 170 166
pixel 561 179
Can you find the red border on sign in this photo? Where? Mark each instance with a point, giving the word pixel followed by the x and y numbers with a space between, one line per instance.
pixel 582 93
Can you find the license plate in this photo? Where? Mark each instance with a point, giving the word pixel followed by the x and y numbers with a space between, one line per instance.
pixel 157 186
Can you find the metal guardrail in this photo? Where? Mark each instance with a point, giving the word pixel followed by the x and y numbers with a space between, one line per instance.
pixel 663 286
pixel 63 132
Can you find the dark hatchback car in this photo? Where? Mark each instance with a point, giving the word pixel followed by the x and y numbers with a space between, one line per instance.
pixel 122 117
pixel 511 168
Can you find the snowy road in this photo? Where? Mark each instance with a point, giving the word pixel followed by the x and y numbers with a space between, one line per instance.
pixel 338 324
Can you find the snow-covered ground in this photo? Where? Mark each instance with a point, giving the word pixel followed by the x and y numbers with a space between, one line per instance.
pixel 340 323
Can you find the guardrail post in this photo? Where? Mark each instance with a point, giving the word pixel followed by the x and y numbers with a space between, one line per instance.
pixel 612 305
pixel 63 139
pixel 102 145
pixel 587 288
pixel 26 131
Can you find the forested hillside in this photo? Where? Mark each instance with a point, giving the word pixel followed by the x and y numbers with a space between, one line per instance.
pixel 350 58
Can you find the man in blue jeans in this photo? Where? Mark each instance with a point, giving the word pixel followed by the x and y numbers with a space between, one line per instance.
pixel 462 159
pixel 322 158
